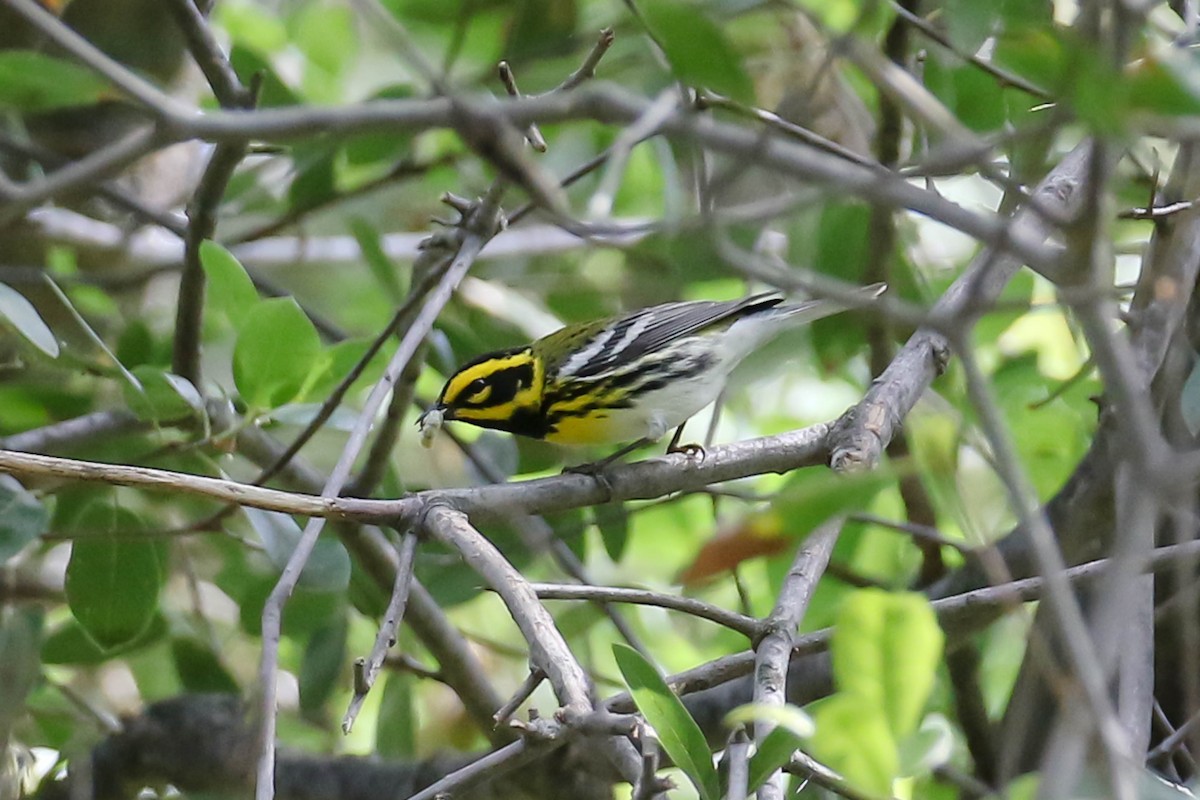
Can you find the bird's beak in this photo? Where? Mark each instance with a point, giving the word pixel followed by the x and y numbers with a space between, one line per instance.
pixel 439 410
pixel 431 422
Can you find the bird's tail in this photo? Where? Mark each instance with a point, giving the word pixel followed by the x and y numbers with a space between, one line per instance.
pixel 811 310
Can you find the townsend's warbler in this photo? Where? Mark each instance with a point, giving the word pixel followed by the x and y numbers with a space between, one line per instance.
pixel 619 379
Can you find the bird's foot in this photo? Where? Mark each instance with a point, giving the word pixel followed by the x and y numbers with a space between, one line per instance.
pixel 595 471
pixel 693 451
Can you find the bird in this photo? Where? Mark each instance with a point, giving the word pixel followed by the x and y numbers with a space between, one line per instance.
pixel 628 378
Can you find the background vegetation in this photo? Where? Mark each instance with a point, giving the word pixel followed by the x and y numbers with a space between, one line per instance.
pixel 218 272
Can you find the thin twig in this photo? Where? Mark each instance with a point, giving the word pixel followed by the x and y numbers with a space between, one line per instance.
pixel 773 651
pixel 547 649
pixel 1080 647
pixel 477 229
pixel 96 166
pixel 587 70
pixel 633 481
pixel 202 210
pixel 524 691
pixel 110 191
pixel 202 224
pixel 387 629
pixel 747 626
pixel 648 784
pixel 533 134
pixel 959 615
pixel 1003 76
pixel 737 756
pixel 213 62
pixel 75 432
pixel 489 767
pixel 870 426
pixel 823 776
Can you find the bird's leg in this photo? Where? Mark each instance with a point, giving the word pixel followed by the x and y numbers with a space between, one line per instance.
pixel 692 450
pixel 593 468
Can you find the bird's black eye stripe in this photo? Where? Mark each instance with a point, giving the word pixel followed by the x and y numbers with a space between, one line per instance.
pixel 504 385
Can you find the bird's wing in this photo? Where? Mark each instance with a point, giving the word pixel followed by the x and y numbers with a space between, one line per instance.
pixel 627 339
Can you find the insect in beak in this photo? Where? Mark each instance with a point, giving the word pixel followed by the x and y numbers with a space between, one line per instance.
pixel 431 422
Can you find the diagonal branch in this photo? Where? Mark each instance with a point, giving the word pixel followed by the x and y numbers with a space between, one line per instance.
pixel 864 432
pixel 477 228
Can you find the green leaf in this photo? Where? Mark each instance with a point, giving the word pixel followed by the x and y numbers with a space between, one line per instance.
pixel 853 739
pixel 249 25
pixel 771 754
pixel 275 352
pixel 886 648
pixel 21 314
pixel 612 519
pixel 230 289
pixel 325 33
pixel 1166 81
pixel 974 96
pixel 315 179
pixel 112 583
pixel 382 268
pixel 680 735
pixel 396 723
pixel 20 636
pixel 322 666
pixel 164 396
pixel 336 362
pixel 791 717
pixel 248 63
pixel 31 81
pixel 71 645
pixel 541 28
pixel 928 748
pixel 199 668
pixel 811 497
pixel 775 750
pixel 328 566
pixel 696 47
pixel 23 518
pixel 111 360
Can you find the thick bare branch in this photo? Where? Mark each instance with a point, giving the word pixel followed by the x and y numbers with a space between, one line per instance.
pixel 865 431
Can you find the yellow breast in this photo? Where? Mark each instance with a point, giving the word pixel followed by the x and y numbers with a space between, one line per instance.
pixel 597 427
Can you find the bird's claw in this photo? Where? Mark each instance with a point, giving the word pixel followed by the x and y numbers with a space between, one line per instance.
pixel 595 471
pixel 694 452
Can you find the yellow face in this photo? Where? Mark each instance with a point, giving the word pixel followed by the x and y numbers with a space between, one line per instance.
pixel 500 390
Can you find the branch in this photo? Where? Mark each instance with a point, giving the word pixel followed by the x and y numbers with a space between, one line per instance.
pixel 459 666
pixel 641 480
pixel 202 225
pixel 366 671
pixel 959 615
pixel 213 62
pixel 547 649
pixel 864 432
pixel 95 166
pixel 476 229
pixel 747 626
pixel 76 432
pixel 773 652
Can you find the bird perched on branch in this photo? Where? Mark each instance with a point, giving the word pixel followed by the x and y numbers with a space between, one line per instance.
pixel 622 379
